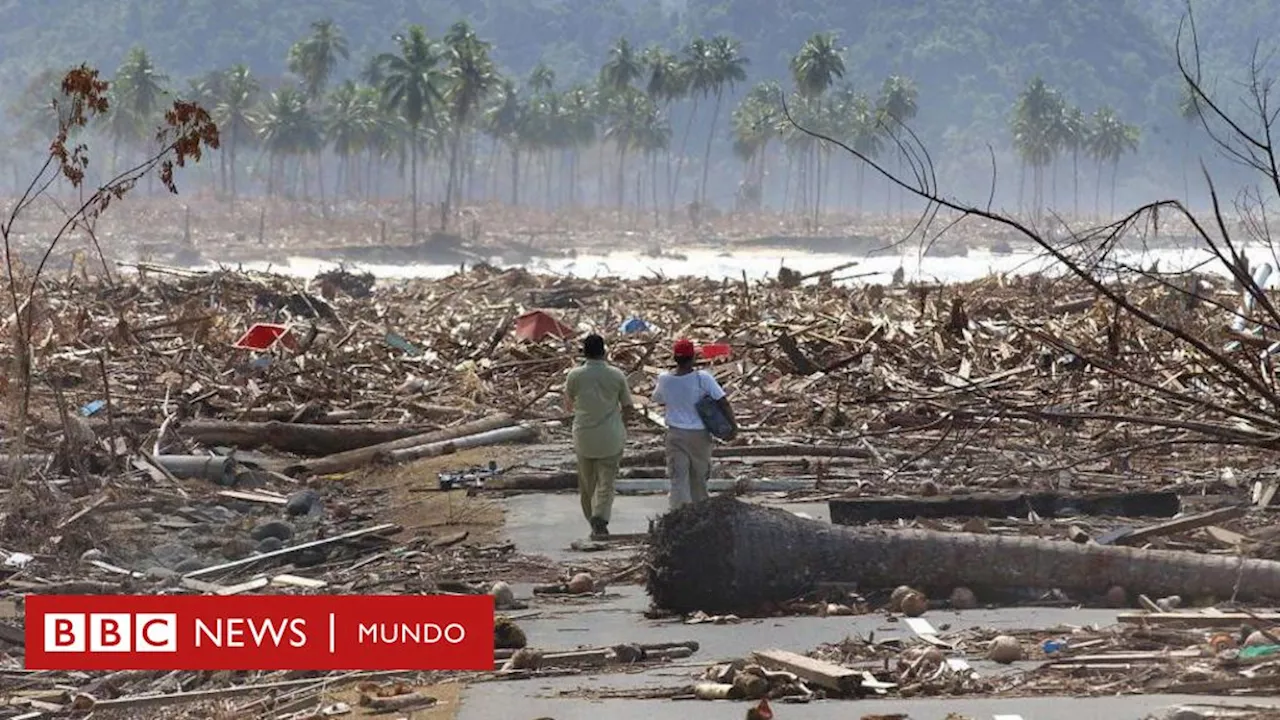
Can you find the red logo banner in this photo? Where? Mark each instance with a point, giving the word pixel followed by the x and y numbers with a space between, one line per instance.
pixel 262 632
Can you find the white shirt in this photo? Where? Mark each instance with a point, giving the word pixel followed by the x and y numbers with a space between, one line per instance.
pixel 680 395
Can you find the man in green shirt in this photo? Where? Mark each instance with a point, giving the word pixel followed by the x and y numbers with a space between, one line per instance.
pixel 597 395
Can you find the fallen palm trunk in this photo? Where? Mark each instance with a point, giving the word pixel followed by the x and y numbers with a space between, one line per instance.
pixel 724 556
pixel 519 433
pixel 303 439
pixel 351 459
pixel 853 511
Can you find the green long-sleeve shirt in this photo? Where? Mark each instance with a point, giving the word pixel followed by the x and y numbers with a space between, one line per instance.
pixel 598 391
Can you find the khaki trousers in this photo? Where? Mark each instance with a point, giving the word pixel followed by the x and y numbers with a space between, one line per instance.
pixel 688 465
pixel 596 479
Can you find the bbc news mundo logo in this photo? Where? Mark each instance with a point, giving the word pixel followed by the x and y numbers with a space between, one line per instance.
pixel 271 632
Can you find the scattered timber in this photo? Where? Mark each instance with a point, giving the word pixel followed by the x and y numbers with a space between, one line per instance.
pixel 855 511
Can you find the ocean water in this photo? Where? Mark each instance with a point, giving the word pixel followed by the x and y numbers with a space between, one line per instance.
pixel 717 265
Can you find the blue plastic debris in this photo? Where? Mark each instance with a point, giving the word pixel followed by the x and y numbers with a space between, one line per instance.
pixel 1052 646
pixel 261 363
pixel 634 325
pixel 398 342
pixel 90 409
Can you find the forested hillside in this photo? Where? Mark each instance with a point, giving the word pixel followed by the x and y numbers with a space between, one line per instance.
pixel 966 61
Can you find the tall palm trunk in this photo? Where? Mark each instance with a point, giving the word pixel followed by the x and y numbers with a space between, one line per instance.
pixel 622 174
pixel 452 183
pixel 413 186
pixel 684 143
pixel 515 175
pixel 724 555
pixel 706 154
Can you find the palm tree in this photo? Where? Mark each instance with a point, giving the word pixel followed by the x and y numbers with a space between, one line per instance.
pixel 866 135
pixel 1111 139
pixel 469 78
pixel 1073 136
pixel 898 105
pixel 667 83
pixel 622 68
pixel 1035 116
pixel 697 79
pixel 628 114
pixel 287 129
pixel 205 91
pixel 727 68
pixel 410 87
pixel 233 113
pixel 136 92
pixel 1189 111
pixel 348 124
pixel 755 122
pixel 504 120
pixel 814 68
pixel 314 58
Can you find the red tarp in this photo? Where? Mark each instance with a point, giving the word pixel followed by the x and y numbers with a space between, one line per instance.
pixel 537 325
pixel 263 336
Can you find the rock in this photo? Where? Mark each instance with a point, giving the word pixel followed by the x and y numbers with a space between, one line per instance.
pixel 524 659
pixel 751 685
pixel 1185 713
pixel 302 502
pixel 220 513
pixel 928 488
pixel 581 583
pixel 92 554
pixel 507 635
pixel 503 596
pixel 975 525
pixel 1004 650
pixel 155 572
pixel 962 598
pixel 270 544
pixel 310 557
pixel 895 600
pixel 1256 638
pixel 1117 597
pixel 237 549
pixel 914 604
pixel 189 565
pixel 272 529
pixel 628 653
pixel 172 555
pixel 1169 604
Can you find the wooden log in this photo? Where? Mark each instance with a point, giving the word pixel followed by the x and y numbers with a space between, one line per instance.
pixel 518 433
pixel 1130 536
pixel 352 459
pixel 814 672
pixel 658 457
pixel 299 438
pixel 854 511
pixel 727 556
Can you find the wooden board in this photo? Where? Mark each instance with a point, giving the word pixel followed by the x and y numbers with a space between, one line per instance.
pixel 855 511
pixel 1197 620
pixel 815 672
pixel 1179 525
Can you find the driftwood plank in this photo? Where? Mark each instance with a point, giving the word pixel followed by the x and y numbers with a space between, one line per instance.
pixel 286 551
pixel 851 511
pixel 816 672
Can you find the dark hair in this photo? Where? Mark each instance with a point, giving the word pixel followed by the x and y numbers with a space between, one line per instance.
pixel 593 347
pixel 684 360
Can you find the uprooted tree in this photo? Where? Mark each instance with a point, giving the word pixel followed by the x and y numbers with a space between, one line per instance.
pixel 183 136
pixel 1173 364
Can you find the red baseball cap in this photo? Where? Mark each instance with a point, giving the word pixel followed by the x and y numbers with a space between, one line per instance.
pixel 684 348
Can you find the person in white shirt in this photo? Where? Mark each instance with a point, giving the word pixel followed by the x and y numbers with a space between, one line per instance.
pixel 689 442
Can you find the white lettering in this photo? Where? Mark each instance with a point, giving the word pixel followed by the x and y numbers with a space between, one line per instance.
pixel 231 632
pixel 405 633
